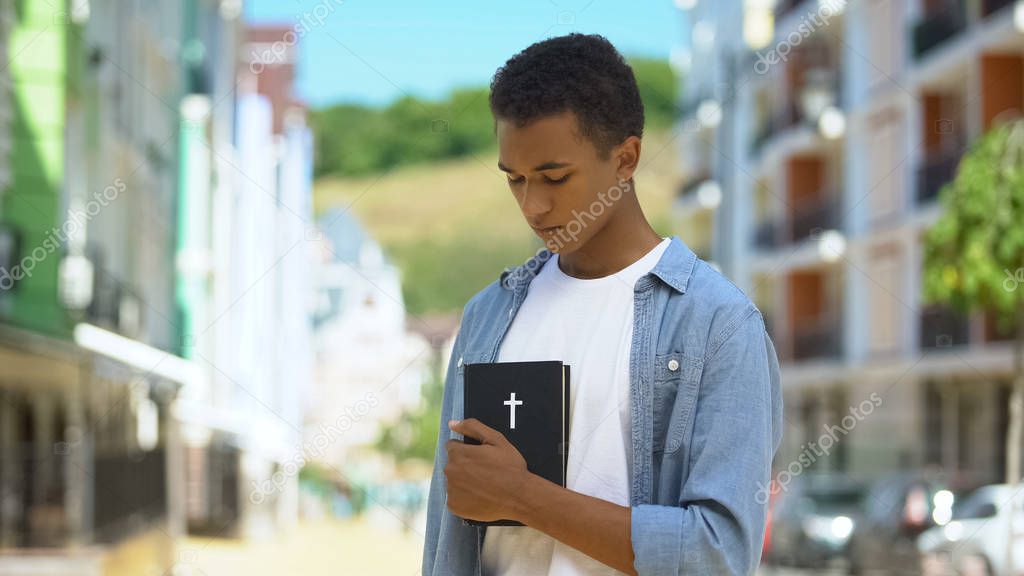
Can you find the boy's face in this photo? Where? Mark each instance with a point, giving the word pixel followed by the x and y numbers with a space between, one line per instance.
pixel 559 180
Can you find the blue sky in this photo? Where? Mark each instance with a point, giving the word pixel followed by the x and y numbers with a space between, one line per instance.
pixel 372 51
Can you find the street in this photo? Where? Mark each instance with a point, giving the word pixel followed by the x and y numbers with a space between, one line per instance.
pixel 315 547
pixel 328 547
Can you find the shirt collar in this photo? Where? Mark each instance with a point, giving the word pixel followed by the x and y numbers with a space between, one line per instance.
pixel 674 267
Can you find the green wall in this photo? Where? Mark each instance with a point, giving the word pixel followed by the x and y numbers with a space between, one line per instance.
pixel 38 49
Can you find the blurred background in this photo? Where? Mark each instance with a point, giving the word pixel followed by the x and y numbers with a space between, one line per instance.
pixel 236 238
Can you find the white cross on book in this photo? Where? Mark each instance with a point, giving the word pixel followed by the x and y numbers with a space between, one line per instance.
pixel 512 403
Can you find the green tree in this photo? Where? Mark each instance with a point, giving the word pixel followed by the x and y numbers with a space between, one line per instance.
pixel 659 90
pixel 974 254
pixel 414 435
pixel 355 140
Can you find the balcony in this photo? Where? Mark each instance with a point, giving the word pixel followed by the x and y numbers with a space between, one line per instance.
pixel 766 236
pixel 939 27
pixel 819 90
pixel 990 7
pixel 942 327
pixel 806 220
pixel 35 515
pixel 801 224
pixel 129 494
pixel 816 341
pixel 934 173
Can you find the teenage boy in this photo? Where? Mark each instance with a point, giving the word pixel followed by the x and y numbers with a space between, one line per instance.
pixel 675 402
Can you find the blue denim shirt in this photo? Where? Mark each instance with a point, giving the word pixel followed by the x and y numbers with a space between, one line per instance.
pixel 706 411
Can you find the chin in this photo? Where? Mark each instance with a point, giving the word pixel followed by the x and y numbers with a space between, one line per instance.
pixel 561 245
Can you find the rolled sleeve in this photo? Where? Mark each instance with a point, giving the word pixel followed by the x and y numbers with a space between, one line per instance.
pixel 437 496
pixel 718 525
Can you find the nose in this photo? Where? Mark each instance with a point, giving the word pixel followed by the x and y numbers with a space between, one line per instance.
pixel 535 204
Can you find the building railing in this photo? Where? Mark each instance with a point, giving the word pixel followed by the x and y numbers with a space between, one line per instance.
pixel 802 223
pixel 766 235
pixel 805 220
pixel 942 327
pixel 792 114
pixel 32 488
pixel 129 493
pixel 934 173
pixel 938 27
pixel 821 340
pixel 215 506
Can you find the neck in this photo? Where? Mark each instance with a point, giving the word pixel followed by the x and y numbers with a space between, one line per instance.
pixel 625 238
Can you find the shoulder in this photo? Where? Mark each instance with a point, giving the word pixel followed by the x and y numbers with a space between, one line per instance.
pixel 481 311
pixel 486 301
pixel 496 297
pixel 721 306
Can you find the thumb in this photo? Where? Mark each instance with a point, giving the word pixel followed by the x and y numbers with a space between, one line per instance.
pixel 475 429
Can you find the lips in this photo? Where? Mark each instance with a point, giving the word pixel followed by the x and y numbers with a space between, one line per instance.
pixel 549 230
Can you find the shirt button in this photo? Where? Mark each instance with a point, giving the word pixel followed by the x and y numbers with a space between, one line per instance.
pixel 459 364
pixel 673 365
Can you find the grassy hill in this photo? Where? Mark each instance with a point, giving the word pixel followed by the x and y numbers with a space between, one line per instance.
pixel 452 226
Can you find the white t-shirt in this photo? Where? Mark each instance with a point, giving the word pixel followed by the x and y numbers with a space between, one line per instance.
pixel 588 324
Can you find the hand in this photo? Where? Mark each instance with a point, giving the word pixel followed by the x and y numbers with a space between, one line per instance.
pixel 483 481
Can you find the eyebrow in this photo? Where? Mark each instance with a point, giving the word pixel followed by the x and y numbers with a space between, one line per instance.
pixel 541 168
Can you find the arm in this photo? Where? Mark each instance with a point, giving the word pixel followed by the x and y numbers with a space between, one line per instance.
pixel 718 525
pixel 491 481
pixel 436 495
pixel 598 528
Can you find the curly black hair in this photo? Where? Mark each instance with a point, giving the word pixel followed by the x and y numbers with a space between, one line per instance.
pixel 580 73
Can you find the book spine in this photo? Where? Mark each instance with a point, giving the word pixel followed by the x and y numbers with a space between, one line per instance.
pixel 492 523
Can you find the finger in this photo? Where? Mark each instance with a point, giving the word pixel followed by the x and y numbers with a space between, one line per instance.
pixel 476 429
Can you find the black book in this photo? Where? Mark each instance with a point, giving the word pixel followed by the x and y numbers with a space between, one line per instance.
pixel 536 395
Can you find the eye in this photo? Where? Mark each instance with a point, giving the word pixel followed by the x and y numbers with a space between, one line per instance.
pixel 557 180
pixel 512 180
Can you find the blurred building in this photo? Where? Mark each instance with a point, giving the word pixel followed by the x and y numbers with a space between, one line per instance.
pixel 88 370
pixel 245 284
pixel 370 366
pixel 155 284
pixel 811 171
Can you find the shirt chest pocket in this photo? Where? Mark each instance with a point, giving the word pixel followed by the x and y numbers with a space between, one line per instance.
pixel 458 385
pixel 676 382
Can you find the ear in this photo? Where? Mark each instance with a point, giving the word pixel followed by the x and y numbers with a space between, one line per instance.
pixel 627 157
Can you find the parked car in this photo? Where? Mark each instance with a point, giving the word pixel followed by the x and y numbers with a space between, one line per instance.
pixel 974 542
pixel 812 520
pixel 897 509
pixel 766 546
